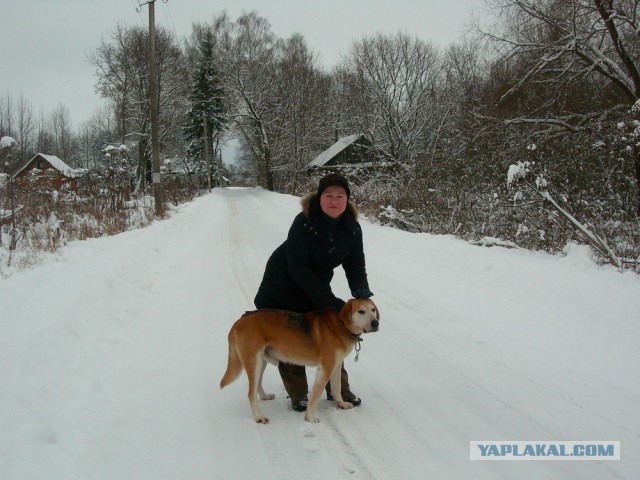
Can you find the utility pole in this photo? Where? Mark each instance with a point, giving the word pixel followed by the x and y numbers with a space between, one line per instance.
pixel 153 107
pixel 14 238
pixel 207 158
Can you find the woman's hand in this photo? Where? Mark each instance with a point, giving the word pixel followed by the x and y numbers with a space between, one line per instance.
pixel 362 293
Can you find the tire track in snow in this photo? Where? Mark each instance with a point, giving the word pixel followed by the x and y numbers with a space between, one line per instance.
pixel 245 250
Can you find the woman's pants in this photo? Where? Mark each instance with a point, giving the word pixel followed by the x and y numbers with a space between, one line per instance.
pixel 294 378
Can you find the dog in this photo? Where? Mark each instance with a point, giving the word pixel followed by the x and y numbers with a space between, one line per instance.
pixel 320 338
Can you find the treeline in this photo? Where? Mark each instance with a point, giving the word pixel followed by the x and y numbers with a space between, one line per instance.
pixel 552 83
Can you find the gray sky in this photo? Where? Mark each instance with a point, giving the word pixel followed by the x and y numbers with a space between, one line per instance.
pixel 44 43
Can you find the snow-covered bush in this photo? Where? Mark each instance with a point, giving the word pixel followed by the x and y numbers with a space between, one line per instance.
pixel 7 142
pixel 518 178
pixel 408 220
pixel 101 206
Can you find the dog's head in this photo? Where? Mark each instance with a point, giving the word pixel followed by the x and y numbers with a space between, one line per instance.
pixel 360 316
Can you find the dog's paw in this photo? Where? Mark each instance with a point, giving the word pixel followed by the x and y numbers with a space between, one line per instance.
pixel 311 419
pixel 267 396
pixel 344 405
pixel 263 420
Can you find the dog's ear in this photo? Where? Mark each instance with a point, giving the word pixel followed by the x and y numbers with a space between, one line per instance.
pixel 346 313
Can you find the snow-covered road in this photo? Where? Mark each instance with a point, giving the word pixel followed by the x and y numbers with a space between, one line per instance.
pixel 112 351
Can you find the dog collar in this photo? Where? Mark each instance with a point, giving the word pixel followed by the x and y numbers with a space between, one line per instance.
pixel 357 339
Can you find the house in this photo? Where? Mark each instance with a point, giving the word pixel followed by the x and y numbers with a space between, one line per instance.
pixel 49 171
pixel 353 151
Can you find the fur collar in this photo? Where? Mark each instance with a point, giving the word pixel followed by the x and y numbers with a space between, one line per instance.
pixel 311 206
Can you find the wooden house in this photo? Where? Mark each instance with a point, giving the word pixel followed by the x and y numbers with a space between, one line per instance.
pixel 47 171
pixel 348 153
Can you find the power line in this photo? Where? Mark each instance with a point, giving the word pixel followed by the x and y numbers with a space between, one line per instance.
pixel 169 16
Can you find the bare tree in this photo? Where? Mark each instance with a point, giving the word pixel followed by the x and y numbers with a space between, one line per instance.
pixel 302 93
pixel 248 50
pixel 94 133
pixel 397 84
pixel 26 127
pixel 578 60
pixel 44 136
pixel 561 43
pixel 60 121
pixel 279 99
pixel 16 120
pixel 461 139
pixel 121 68
pixel 7 114
pixel 117 69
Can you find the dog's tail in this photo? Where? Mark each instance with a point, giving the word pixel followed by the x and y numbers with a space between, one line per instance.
pixel 234 365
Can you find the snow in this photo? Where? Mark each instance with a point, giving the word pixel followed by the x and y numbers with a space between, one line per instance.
pixel 494 242
pixel 111 352
pixel 517 172
pixel 6 142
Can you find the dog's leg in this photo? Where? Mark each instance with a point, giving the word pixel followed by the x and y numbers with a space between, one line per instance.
pixel 253 364
pixel 336 388
pixel 322 376
pixel 261 392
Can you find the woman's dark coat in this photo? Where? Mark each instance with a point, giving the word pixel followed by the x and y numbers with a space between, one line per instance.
pixel 299 272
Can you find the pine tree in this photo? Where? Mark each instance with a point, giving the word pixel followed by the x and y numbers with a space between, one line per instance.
pixel 206 104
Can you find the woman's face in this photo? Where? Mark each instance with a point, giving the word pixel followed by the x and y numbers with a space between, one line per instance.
pixel 333 201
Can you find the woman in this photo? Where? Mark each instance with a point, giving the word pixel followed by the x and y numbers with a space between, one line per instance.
pixel 298 275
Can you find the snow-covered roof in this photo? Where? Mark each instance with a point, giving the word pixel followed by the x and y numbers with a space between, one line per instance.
pixel 334 150
pixel 55 162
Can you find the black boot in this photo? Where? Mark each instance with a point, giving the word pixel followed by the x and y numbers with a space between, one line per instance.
pixel 300 405
pixel 347 397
